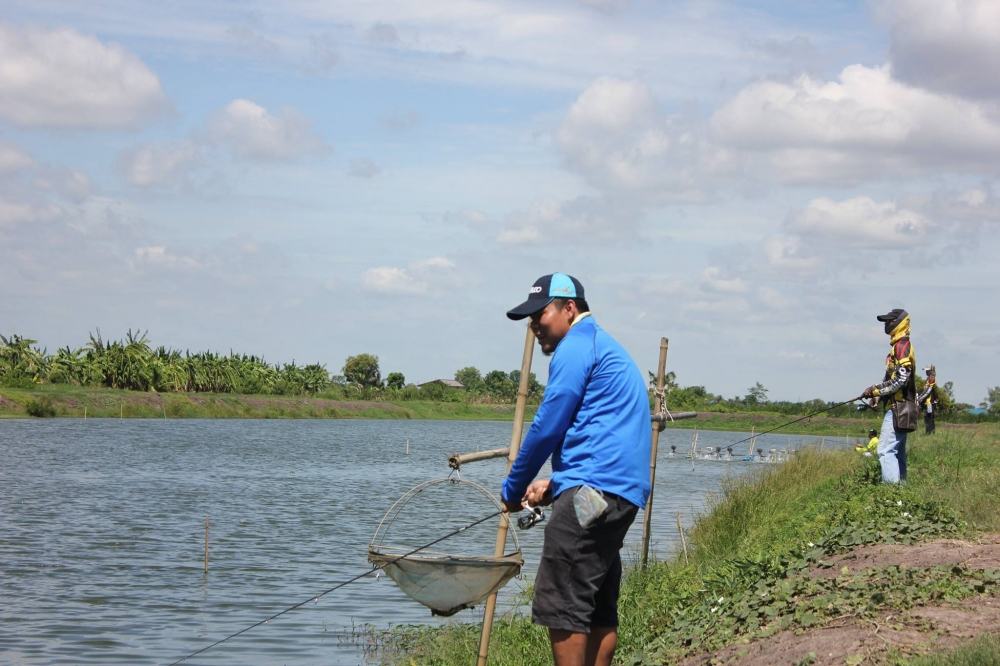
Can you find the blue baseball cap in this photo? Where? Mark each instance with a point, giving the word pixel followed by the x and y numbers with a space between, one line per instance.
pixel 544 291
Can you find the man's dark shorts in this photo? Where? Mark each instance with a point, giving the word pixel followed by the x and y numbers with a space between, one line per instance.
pixel 578 579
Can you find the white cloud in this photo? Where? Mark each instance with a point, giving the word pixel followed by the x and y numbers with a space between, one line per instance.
pixel 391 280
pixel 249 130
pixel 419 277
pixel 714 279
pixel 158 256
pixel 862 124
pixel 13 213
pixel 774 299
pixel 12 159
pixel 156 164
pixel 607 5
pixel 61 78
pixel 580 221
pixel 383 33
pixel 434 263
pixel 616 136
pixel 789 253
pixel 860 222
pixel 947 45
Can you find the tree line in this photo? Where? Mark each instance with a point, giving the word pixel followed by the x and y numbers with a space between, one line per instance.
pixel 135 364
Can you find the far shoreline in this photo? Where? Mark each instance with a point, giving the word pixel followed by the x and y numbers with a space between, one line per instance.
pixel 69 401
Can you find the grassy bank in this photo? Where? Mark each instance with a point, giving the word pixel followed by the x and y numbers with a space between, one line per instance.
pixel 62 400
pixel 71 401
pixel 749 571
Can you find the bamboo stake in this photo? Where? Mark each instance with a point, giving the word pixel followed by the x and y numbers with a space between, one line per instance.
pixel 455 461
pixel 121 411
pixel 85 412
pixel 680 530
pixel 206 544
pixel 647 515
pixel 407 446
pixel 753 440
pixel 515 444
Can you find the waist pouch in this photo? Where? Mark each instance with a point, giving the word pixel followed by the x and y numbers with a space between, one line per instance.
pixel 904 415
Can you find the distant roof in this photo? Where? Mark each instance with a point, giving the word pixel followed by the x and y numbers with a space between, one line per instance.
pixel 450 383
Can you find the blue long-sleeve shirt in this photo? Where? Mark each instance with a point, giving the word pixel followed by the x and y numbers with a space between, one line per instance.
pixel 594 421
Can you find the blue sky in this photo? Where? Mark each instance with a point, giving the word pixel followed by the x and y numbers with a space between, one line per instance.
pixel 310 180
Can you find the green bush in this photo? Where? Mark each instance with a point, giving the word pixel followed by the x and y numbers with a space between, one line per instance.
pixel 41 408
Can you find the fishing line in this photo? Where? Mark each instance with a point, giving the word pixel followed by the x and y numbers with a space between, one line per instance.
pixel 317 597
pixel 801 418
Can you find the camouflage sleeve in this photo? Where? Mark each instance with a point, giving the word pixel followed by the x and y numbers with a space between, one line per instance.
pixel 894 383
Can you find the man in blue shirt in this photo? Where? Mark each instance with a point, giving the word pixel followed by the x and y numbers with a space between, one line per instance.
pixel 594 423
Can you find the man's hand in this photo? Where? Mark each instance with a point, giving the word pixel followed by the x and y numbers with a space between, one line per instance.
pixel 539 493
pixel 511 506
pixel 869 392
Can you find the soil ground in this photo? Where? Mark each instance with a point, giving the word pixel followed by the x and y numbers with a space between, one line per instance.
pixel 856 641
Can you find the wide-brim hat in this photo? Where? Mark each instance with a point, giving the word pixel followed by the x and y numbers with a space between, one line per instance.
pixel 546 289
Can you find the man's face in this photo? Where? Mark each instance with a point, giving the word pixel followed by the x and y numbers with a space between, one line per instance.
pixel 552 323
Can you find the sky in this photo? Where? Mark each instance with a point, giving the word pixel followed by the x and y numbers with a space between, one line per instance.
pixel 308 180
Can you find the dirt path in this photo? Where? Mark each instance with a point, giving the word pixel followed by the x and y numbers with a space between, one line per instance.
pixel 854 641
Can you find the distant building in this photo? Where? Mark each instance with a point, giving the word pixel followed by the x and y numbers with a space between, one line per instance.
pixel 447 383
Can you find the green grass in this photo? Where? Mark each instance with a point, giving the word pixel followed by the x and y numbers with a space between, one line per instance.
pixel 750 553
pixel 67 401
pixel 984 651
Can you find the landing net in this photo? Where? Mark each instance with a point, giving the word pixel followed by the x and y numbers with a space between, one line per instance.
pixel 445 582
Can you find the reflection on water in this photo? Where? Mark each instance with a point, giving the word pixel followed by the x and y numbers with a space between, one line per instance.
pixel 102 531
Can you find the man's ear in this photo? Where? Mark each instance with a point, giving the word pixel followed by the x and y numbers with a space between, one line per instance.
pixel 573 308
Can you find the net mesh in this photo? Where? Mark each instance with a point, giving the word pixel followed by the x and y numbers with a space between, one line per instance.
pixel 459 572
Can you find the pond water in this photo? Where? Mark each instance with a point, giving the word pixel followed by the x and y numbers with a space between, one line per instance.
pixel 102 532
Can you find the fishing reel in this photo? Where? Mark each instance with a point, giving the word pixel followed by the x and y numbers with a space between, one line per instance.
pixel 866 404
pixel 533 516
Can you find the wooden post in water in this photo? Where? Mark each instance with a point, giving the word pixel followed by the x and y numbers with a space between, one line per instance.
pixel 515 444
pixel 407 446
pixel 85 412
pixel 121 411
pixel 658 425
pixel 753 441
pixel 206 544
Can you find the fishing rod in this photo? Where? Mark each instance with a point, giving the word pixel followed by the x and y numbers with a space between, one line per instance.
pixel 801 418
pixel 317 597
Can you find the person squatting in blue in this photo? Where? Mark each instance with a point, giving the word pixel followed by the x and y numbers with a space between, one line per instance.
pixel 594 424
pixel 897 393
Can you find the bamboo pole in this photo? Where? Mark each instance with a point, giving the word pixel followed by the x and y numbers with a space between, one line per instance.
pixel 515 444
pixel 456 460
pixel 206 544
pixel 753 440
pixel 680 530
pixel 658 425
